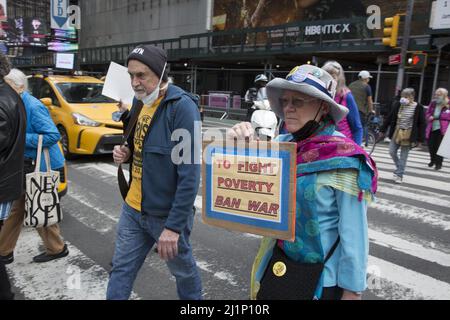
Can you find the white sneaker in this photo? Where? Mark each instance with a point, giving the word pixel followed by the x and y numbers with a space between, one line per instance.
pixel 397 179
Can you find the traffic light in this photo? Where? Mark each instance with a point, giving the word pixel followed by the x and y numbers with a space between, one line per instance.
pixel 390 31
pixel 416 60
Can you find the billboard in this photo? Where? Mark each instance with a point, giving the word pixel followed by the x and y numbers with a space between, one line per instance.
pixel 27 32
pixel 440 15
pixel 238 14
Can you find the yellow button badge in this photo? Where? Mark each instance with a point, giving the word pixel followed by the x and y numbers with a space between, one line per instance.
pixel 279 269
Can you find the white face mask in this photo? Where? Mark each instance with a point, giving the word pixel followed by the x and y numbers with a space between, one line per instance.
pixel 152 97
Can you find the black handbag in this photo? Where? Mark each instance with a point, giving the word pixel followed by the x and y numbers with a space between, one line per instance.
pixel 285 279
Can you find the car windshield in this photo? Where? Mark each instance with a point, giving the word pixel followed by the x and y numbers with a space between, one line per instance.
pixel 83 92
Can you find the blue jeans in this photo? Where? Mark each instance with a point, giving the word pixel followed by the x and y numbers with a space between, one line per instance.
pixel 400 163
pixel 136 235
pixel 364 124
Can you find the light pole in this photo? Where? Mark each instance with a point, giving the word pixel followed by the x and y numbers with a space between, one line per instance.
pixel 405 46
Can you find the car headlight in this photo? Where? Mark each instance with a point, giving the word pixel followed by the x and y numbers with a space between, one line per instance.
pixel 84 121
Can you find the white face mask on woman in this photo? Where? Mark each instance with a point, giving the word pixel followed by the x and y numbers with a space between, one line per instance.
pixel 440 100
pixel 152 97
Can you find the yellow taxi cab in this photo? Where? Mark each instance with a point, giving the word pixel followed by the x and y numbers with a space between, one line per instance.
pixel 62 187
pixel 82 115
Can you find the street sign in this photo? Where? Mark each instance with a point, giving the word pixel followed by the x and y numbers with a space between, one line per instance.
pixel 58 14
pixel 63 16
pixel 395 59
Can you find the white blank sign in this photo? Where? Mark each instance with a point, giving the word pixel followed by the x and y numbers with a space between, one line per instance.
pixel 118 84
pixel 65 60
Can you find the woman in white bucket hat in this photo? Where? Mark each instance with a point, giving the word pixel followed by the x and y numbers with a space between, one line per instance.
pixel 336 179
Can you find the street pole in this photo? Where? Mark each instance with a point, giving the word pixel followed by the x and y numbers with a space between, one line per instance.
pixel 422 78
pixel 405 46
pixel 377 90
pixel 436 72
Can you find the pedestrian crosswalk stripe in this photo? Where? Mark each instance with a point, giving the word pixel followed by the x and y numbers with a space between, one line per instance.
pixel 390 167
pixel 410 248
pixel 75 277
pixel 412 158
pixel 418 182
pixel 410 193
pixel 421 285
pixel 408 212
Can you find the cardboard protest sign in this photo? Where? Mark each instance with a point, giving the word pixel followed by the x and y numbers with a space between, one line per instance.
pixel 250 188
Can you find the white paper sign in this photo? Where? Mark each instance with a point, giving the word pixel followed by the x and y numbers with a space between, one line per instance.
pixel 118 84
pixel 65 60
pixel 444 149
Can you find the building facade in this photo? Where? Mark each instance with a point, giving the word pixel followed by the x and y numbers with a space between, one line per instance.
pixel 221 45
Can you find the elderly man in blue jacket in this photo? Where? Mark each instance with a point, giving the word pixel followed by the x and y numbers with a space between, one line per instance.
pixel 159 206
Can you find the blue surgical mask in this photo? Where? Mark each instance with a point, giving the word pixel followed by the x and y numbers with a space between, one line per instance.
pixel 404 101
pixel 152 97
pixel 440 100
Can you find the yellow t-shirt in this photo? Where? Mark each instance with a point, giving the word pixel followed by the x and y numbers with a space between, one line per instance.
pixel 134 197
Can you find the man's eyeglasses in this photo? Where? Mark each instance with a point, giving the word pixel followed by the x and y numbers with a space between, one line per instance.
pixel 295 102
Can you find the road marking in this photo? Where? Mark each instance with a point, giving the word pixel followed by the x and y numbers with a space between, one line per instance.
pixel 75 277
pixel 390 167
pixel 409 248
pixel 422 286
pixel 417 181
pixel 408 212
pixel 221 275
pixel 410 193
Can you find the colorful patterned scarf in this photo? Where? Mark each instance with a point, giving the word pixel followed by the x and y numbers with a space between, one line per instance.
pixel 314 155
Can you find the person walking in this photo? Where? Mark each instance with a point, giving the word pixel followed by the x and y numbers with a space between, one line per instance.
pixel 438 118
pixel 159 206
pixel 351 125
pixel 335 182
pixel 257 93
pixel 407 130
pixel 39 123
pixel 362 92
pixel 12 142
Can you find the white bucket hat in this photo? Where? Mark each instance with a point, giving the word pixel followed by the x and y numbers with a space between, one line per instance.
pixel 310 80
pixel 264 122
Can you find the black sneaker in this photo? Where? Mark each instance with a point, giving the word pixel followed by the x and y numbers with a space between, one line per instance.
pixel 431 164
pixel 8 258
pixel 44 257
pixel 438 167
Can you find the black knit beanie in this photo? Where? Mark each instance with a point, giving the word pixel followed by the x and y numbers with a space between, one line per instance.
pixel 153 57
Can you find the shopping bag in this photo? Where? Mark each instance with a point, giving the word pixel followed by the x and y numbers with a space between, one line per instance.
pixel 444 149
pixel 42 207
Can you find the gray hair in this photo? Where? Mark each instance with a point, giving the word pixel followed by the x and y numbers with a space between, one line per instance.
pixel 334 67
pixel 410 92
pixel 5 66
pixel 18 78
pixel 443 90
